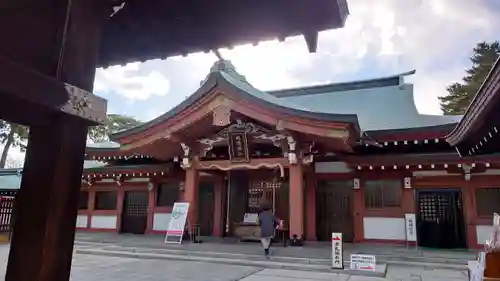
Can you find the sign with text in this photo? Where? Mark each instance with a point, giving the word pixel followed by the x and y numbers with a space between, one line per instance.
pixel 250 218
pixel 337 251
pixel 238 147
pixel 362 262
pixel 177 223
pixel 411 227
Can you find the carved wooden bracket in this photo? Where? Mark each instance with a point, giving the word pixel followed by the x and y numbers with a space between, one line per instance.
pixel 210 143
pixel 119 180
pixel 308 156
pixel 222 136
pixel 84 104
pixel 356 183
pixel 186 162
pixel 88 182
pixel 307 160
pixel 292 155
pixel 276 139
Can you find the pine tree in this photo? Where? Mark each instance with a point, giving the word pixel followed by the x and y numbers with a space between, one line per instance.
pixel 461 94
pixel 114 123
pixel 11 135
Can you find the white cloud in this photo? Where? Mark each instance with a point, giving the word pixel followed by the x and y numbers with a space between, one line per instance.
pixel 433 36
pixel 127 81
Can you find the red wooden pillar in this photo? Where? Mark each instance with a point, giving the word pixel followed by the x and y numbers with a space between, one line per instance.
pixel 311 207
pixel 91 207
pixel 470 214
pixel 191 194
pixel 296 197
pixel 357 213
pixel 151 207
pixel 218 198
pixel 119 208
pixel 409 201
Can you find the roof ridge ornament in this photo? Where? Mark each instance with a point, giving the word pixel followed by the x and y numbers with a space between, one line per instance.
pixel 226 66
pixel 218 55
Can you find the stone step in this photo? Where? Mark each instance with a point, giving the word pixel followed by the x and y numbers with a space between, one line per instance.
pixel 274 262
pixel 435 262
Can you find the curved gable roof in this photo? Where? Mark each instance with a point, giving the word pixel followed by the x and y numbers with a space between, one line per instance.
pixel 380 104
pixel 224 76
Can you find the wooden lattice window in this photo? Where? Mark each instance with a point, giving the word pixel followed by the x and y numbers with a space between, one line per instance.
pixel 83 200
pixel 487 201
pixel 167 194
pixel 262 191
pixel 382 194
pixel 105 200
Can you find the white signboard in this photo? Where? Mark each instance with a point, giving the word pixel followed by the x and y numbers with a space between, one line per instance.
pixel 177 223
pixel 363 262
pixel 250 218
pixel 411 227
pixel 337 251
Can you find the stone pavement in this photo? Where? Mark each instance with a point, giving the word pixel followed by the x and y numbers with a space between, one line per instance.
pixel 395 274
pixel 318 250
pixel 99 268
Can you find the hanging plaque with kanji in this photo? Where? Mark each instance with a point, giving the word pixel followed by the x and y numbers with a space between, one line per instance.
pixel 238 147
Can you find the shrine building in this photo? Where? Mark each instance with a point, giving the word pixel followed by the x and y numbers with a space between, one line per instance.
pixel 350 157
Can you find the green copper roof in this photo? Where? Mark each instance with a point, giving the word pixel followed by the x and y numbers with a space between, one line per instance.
pixel 11 178
pixel 103 146
pixel 224 75
pixel 385 103
pixel 388 107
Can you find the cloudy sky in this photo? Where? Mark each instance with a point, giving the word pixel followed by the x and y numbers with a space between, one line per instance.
pixel 381 37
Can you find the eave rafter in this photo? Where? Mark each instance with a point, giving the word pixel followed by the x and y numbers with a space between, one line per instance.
pixel 407 142
pixel 422 162
pixel 483 104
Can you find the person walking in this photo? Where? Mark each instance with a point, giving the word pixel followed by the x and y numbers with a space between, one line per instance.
pixel 267 223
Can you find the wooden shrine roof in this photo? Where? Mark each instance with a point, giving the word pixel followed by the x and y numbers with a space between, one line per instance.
pixel 144 30
pixel 387 113
pixel 384 105
pixel 224 77
pixel 481 119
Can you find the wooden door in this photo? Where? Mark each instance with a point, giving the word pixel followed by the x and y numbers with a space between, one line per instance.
pixel 440 220
pixel 135 212
pixel 206 208
pixel 334 209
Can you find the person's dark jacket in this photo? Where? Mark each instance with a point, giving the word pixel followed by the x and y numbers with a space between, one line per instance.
pixel 267 222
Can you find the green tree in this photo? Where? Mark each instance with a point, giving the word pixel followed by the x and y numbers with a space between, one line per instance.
pixel 460 94
pixel 113 124
pixel 11 135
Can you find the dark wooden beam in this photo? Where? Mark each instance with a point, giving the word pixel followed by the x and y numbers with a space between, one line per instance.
pixel 42 95
pixel 55 44
pixel 47 203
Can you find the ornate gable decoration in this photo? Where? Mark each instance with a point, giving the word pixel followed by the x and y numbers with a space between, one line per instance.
pixel 221 116
pixel 238 135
